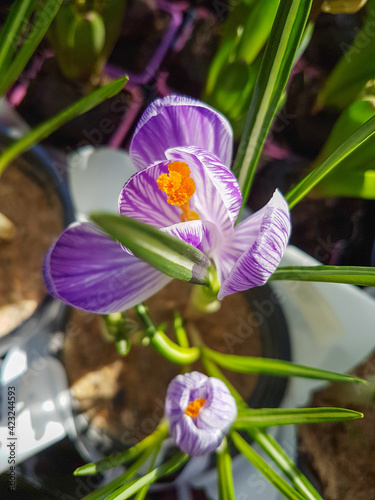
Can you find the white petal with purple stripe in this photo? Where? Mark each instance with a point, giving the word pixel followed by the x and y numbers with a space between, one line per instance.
pixel 87 269
pixel 180 121
pixel 203 434
pixel 257 248
pixel 218 197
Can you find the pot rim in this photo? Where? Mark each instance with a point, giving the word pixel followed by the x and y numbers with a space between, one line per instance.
pixel 50 314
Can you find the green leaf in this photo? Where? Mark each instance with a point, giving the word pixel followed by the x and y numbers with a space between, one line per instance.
pixel 355 68
pixel 274 478
pixel 352 275
pixel 10 31
pixel 349 184
pixel 267 442
pixel 256 30
pixel 102 492
pixel 268 417
pixel 46 128
pixel 125 456
pixel 165 469
pixel 286 34
pixel 168 254
pixel 224 472
pixel 361 135
pixel 284 462
pixel 266 366
pixel 44 15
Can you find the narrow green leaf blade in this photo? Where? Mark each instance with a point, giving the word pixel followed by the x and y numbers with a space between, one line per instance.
pixel 284 462
pixel 165 469
pixel 46 128
pixel 105 490
pixel 44 17
pixel 266 366
pixel 224 472
pixel 362 134
pixel 11 29
pixel 168 254
pixel 352 275
pixel 126 456
pixel 267 442
pixel 285 37
pixel 274 478
pixel 268 417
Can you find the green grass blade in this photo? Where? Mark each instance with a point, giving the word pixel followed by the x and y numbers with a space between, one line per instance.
pixel 285 37
pixel 267 442
pixel 362 134
pixel 168 254
pixel 105 490
pixel 132 488
pixel 267 366
pixel 270 446
pixel 126 456
pixel 272 476
pixel 268 417
pixel 352 275
pixel 44 17
pixel 11 29
pixel 46 128
pixel 224 472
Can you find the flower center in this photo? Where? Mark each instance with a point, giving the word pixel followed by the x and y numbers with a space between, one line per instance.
pixel 179 187
pixel 193 407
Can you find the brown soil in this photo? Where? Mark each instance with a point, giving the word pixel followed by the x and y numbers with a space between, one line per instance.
pixel 343 454
pixel 125 395
pixel 37 215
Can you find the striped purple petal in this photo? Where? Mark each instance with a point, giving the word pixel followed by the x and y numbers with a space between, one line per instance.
pixel 87 269
pixel 203 235
pixel 257 248
pixel 217 198
pixel 180 121
pixel 201 434
pixel 141 198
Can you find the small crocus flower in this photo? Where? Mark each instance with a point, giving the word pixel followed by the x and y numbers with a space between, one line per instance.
pixel 200 411
pixel 184 186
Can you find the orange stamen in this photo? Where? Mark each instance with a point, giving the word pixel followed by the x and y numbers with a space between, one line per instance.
pixel 194 407
pixel 179 187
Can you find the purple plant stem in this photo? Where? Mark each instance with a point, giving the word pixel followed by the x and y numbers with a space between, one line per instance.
pixel 129 117
pixel 175 10
pixel 18 91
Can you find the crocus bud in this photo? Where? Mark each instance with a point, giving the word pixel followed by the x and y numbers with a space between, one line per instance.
pixel 200 410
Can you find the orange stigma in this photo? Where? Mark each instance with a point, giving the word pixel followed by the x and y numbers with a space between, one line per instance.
pixel 179 187
pixel 193 407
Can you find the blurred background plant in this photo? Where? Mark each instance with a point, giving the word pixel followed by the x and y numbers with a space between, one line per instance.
pixel 83 35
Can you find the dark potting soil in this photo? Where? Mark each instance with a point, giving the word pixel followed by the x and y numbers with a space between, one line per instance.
pixel 124 396
pixel 342 455
pixel 37 215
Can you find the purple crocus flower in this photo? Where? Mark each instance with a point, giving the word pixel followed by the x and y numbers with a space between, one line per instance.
pixel 183 151
pixel 200 410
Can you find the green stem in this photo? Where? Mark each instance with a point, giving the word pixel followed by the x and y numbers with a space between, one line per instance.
pixel 163 344
pixel 224 472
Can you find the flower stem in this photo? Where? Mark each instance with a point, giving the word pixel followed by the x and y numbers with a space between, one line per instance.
pixel 163 344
